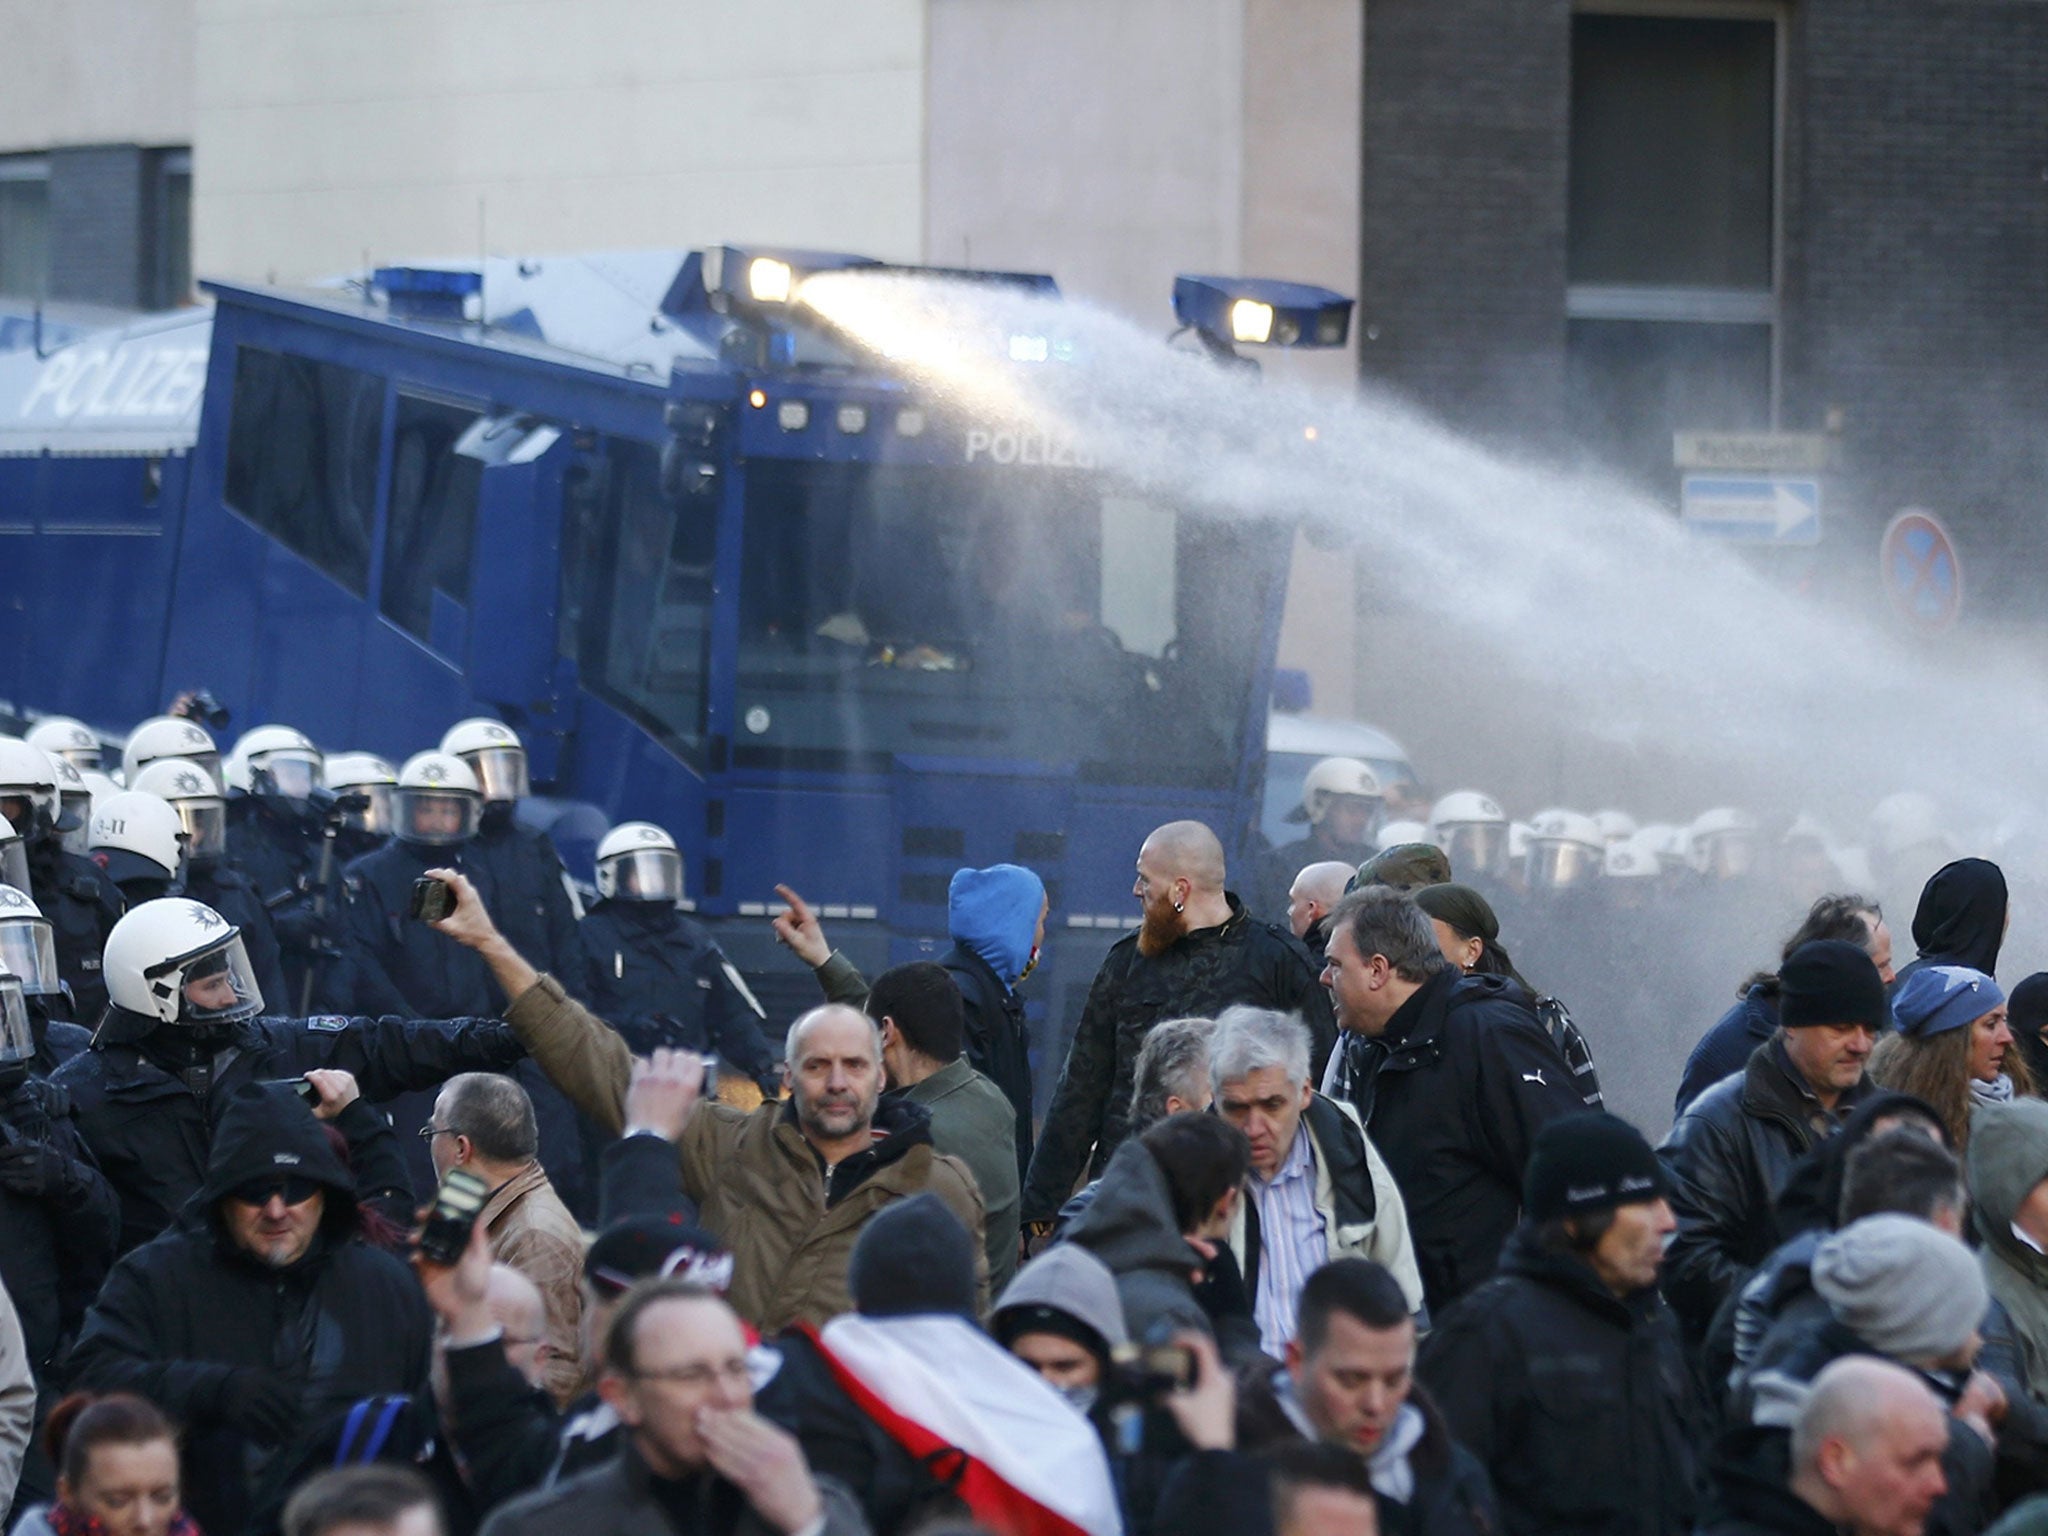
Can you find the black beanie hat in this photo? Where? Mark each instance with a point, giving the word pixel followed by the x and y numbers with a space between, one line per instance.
pixel 1830 981
pixel 914 1257
pixel 638 1247
pixel 1590 1162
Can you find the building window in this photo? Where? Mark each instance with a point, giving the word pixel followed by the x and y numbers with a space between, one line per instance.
pixel 25 225
pixel 436 475
pixel 171 268
pixel 302 458
pixel 1673 228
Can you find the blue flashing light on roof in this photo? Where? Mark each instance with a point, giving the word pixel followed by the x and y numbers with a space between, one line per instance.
pixel 426 293
pixel 1227 312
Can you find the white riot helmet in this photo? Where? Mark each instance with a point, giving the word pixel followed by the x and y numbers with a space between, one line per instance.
pixel 1519 833
pixel 180 962
pixel 368 775
pixel 17 1039
pixel 13 856
pixel 1472 830
pixel 1905 820
pixel 169 736
pixel 492 750
pixel 1395 833
pixel 1631 860
pixel 1565 849
pixel 195 795
pixel 438 802
pixel 72 740
pixel 1615 826
pixel 136 835
pixel 637 861
pixel 28 787
pixel 74 803
pixel 28 945
pixel 99 783
pixel 1723 843
pixel 275 760
pixel 1334 778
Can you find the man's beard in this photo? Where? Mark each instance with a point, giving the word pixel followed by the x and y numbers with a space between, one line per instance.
pixel 811 1116
pixel 1162 928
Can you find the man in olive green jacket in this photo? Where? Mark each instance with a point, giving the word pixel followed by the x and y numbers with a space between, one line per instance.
pixel 789 1186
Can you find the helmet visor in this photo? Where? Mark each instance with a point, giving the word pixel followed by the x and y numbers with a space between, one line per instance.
pixel 84 759
pixel 501 771
pixel 17 1041
pixel 436 818
pixel 206 827
pixel 28 949
pixel 14 865
pixel 643 874
pixel 209 760
pixel 218 987
pixel 1728 855
pixel 1555 865
pixel 289 772
pixel 30 808
pixel 77 805
pixel 375 818
pixel 1476 847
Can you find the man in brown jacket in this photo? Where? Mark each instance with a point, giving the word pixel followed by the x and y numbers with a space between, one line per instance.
pixel 787 1187
pixel 484 1122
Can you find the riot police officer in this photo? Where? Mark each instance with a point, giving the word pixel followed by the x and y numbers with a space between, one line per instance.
pixel 276 813
pixel 657 976
pixel 58 1215
pixel 81 902
pixel 363 827
pixel 194 793
pixel 1342 802
pixel 140 842
pixel 186 1027
pixel 163 736
pixel 28 952
pixel 72 740
pixel 530 895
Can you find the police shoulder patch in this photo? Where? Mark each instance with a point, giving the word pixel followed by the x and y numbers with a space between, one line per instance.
pixel 327 1023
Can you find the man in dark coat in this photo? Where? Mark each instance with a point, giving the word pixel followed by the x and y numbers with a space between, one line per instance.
pixel 1197 952
pixel 1453 1076
pixel 1731 1152
pixel 1349 1381
pixel 1754 1019
pixel 1563 1374
pixel 150 1092
pixel 262 1312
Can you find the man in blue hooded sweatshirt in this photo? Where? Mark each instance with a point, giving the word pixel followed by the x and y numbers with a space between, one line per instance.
pixel 997 919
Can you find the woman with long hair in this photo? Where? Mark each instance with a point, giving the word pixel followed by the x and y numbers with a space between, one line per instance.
pixel 1952 1045
pixel 117 1471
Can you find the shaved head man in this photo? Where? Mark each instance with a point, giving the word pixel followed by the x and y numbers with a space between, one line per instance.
pixel 1314 894
pixel 1196 952
pixel 1867 1448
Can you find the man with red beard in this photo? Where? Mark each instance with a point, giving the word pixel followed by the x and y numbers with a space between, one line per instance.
pixel 1197 952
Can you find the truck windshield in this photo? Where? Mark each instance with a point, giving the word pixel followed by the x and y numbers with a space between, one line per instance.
pixel 1030 615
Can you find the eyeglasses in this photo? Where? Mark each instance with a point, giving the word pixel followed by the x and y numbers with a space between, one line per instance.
pixel 698 1375
pixel 429 1132
pixel 296 1191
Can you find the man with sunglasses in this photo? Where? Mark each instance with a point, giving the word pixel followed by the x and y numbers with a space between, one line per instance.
pixel 263 1312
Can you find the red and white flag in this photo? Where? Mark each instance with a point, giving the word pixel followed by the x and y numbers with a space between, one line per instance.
pixel 1029 1464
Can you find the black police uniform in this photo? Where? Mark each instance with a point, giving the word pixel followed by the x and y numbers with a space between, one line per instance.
pixel 148 1094
pixel 277 844
pixel 530 904
pixel 82 905
pixel 659 979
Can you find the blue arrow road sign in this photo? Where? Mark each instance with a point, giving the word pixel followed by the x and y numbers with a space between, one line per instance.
pixel 1752 509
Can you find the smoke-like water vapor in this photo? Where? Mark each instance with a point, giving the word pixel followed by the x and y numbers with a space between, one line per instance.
pixel 1567 583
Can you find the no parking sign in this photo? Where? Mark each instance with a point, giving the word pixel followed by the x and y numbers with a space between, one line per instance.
pixel 1918 564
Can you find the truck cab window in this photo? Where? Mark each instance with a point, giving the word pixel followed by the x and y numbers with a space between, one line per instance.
pixel 431 522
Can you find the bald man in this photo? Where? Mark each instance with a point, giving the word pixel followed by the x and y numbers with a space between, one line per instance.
pixel 1867 1452
pixel 1196 952
pixel 1310 901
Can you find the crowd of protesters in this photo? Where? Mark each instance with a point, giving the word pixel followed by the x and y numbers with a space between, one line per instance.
pixel 353 1182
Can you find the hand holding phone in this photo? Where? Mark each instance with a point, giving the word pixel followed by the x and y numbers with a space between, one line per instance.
pixel 432 899
pixel 452 1218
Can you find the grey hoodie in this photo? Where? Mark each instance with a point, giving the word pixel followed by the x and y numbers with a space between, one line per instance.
pixel 1070 1279
pixel 1130 1227
pixel 2008 1156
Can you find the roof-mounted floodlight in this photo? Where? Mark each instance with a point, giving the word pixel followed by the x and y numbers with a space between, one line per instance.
pixel 1227 312
pixel 426 293
pixel 764 282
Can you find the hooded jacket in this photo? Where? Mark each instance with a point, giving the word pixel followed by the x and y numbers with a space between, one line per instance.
pixel 1241 960
pixel 1069 1279
pixel 1960 919
pixel 184 1318
pixel 2008 1156
pixel 1577 1401
pixel 1130 1227
pixel 992 915
pixel 790 1222
pixel 1729 1157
